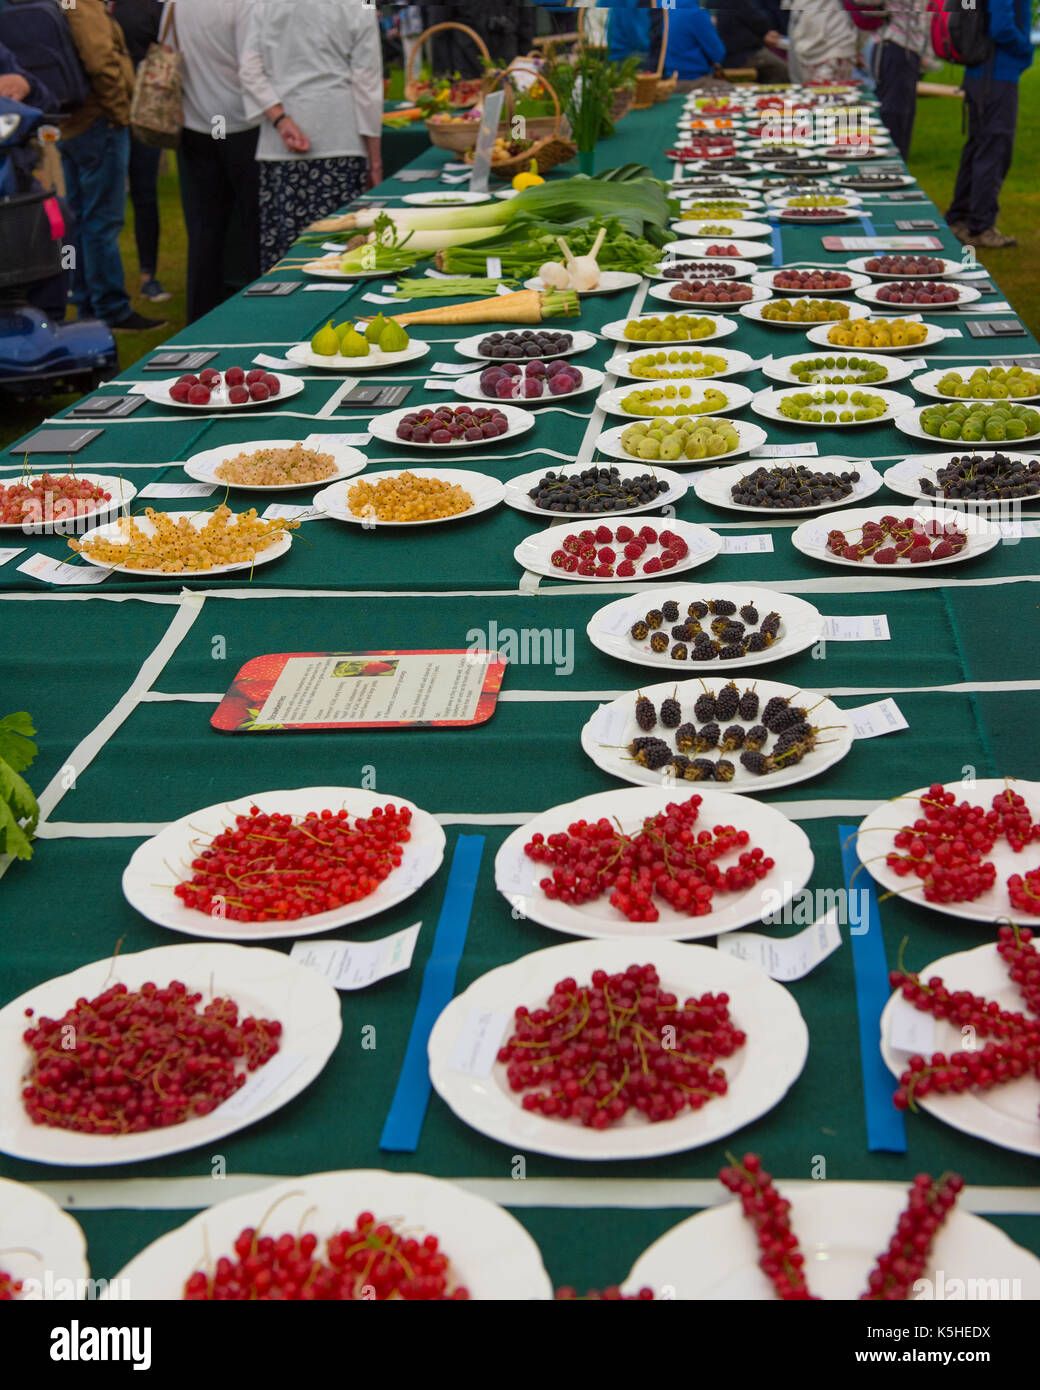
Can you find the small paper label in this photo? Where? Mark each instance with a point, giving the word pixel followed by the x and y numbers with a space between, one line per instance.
pixel 494 268
pixel 791 957
pixel 998 306
pixel 452 368
pixel 1018 530
pixel 476 1046
pixel 333 441
pixel 438 384
pixel 765 451
pixel 746 545
pixel 443 275
pixel 457 178
pixel 275 364
pixel 57 572
pixel 862 629
pixel 503 289
pixel 954 332
pixel 328 285
pixel 608 725
pixel 372 298
pixel 285 511
pixel 357 964
pixel 8 553
pixel 911 1030
pixel 882 717
pixel 262 1084
pixel 178 490
pixel 450 167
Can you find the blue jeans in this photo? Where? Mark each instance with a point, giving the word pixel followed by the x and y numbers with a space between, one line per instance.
pixel 95 165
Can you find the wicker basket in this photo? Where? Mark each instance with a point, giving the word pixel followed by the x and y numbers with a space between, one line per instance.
pixel 665 85
pixel 621 105
pixel 548 150
pixel 410 84
pixel 456 136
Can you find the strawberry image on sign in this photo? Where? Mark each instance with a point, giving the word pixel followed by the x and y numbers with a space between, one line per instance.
pixel 364 668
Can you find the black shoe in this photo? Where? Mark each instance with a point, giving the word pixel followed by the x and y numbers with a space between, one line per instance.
pixel 137 323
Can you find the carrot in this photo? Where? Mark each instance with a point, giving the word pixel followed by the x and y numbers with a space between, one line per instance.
pixel 525 306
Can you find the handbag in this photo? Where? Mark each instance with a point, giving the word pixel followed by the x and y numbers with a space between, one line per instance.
pixel 157 111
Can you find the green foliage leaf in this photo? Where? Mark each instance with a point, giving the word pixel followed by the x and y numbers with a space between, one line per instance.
pixel 17 805
pixel 16 745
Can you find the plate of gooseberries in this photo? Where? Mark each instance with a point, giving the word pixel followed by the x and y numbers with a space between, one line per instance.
pixel 836 407
pixel 985 383
pixel 878 334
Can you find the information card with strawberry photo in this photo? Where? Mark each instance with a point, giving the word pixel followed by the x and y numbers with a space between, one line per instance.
pixel 362 690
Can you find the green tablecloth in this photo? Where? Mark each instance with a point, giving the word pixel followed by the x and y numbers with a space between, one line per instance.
pixel 953 636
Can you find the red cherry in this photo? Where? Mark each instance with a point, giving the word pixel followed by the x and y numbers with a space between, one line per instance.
pixel 199 395
pixel 234 376
pixel 258 391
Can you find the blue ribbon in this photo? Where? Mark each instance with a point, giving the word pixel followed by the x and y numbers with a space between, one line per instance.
pixel 886 1130
pixel 867 225
pixel 778 249
pixel 407 1112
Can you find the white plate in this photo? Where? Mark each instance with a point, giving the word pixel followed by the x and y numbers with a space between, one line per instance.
pixel 736 362
pixel 301 354
pixel 158 392
pixel 664 291
pixel 607 734
pixel 874 841
pixel 785 202
pixel 203 466
pixel 384 426
pixel 897 181
pixel 928 385
pixel 832 166
pixel 966 294
pixel 760 1074
pixel 903 477
pixel 115 532
pixel 779 368
pixel 811 537
pixel 160 863
pixel 122 490
pixel 506 193
pixel 766 403
pixel 581 341
pixel 751 436
pixel 934 334
pixel 909 422
pixel 697 248
pixel 736 397
pixel 692 205
pixel 711 166
pixel 491 1254
pixel 469 387
pixel 609 628
pixel 1004 1115
pixel 327 268
pixel 713 485
pixel 950 268
pixel 724 327
pixel 41 1245
pixel 442 198
pixel 754 311
pixel 486 492
pixel 734 228
pixel 610 282
pixel 765 278
pixel 739 268
pixel 534 552
pixel 842 1228
pixel 518 488
pixel 263 983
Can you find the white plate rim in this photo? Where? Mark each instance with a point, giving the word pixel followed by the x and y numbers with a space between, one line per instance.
pixel 620 280
pixel 711 486
pixel 203 468
pixel 32 1221
pixel 736 360
pixel 591 380
pixel 289 386
pixel 375 361
pixel 661 290
pixel 328 499
pixel 725 327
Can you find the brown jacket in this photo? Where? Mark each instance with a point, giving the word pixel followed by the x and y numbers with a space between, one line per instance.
pixel 102 51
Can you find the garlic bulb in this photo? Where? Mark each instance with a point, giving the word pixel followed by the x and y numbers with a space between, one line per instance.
pixel 554 274
pixel 584 273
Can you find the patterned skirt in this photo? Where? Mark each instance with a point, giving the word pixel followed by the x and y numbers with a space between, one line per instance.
pixel 295 192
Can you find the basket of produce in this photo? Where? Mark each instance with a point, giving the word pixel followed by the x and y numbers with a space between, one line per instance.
pixel 456 133
pixel 463 91
pixel 528 155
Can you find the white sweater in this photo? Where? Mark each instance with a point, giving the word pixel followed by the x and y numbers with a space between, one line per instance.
pixel 211 35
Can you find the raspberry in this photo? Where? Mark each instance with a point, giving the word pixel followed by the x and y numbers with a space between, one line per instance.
pixel 587 537
pixel 634 549
pixel 606 556
pixel 559 558
pixel 653 566
pixel 920 553
pixel 885 557
pixel 648 534
pixel 626 569
pixel 605 572
pixel 852 552
pixel 679 548
pixel 587 552
pixel 586 567
pixel 571 544
pixel 666 538
pixel 604 534
pixel 624 533
pixel 943 551
pixel 669 560
pixel 571 563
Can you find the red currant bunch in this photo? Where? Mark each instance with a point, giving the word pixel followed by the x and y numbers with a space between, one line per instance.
pixel 929 1203
pixel 10 1287
pixel 781 1259
pixel 1016 947
pixel 1010 816
pixel 945 848
pixel 611 1294
pixel 1024 891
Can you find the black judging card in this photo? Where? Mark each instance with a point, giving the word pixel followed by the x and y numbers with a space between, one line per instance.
pixel 106 407
pixel 183 361
pixel 57 442
pixel 273 287
pixel 379 397
pixel 996 328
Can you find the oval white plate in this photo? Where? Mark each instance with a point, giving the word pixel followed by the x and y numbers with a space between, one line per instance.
pixel 263 983
pixel 160 863
pixel 534 552
pixel 442 198
pixel 376 359
pixel 1004 1115
pixel 122 490
pixel 610 282
pixel 735 228
pixel 760 1074
pixel 928 385
pixel 828 166
pixel 491 1254
pixel 784 202
pixel 203 467
pixel 43 1246
pixel 811 537
pixel 713 485
pixel 950 269
pixel 486 492
pixel 736 397
pixel 384 426
pixel 742 203
pixel 327 268
pixel 736 361
pixel 779 368
pixel 754 311
pixel 711 166
pixel 697 248
pixel 766 403
pixel 609 628
pixel 581 341
pixel 891 181
pixel 469 387
pixel 874 841
pixel 800 218
pixel 664 292
pixel 842 1228
pixel 751 436
pixel 607 734
pixel 909 422
pixel 518 488
pixel 158 392
pixel 903 477
pixel 114 532
pixel 765 278
pixel 934 334
pixel 740 268
pixel 966 294
pixel 724 327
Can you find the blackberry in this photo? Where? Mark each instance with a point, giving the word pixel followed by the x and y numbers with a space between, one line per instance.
pixel 697 609
pixel 671 712
pixel 679 652
pixel 770 623
pixel 680 632
pixel 789 756
pixel 748 706
pixel 733 737
pixel 704 649
pixel 659 642
pixel 724 770
pixel 704 708
pixel 757 642
pixel 707 738
pixel 722 607
pixel 639 743
pixel 646 715
pixel 694 628
pixel 756 737
pixel 786 719
pixel 704 770
pixel 639 631
pixel 754 762
pixel 680 764
pixel 685 735
pixel 773 708
pixel 732 635
pixel 719 626
pixel 655 755
pixel 733 651
pixel 726 702
pixel 670 609
pixel 654 618
pixel 750 614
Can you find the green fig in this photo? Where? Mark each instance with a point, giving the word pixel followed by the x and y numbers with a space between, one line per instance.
pixel 375 329
pixel 326 341
pixel 352 344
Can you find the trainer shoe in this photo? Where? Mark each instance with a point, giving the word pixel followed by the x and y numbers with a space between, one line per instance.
pixel 992 238
pixel 960 230
pixel 153 291
pixel 136 323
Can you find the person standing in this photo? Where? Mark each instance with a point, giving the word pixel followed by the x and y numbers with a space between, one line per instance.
pixel 314 70
pixel 694 48
pixel 991 102
pixel 747 28
pixel 220 184
pixel 897 58
pixel 95 157
pixel 822 41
